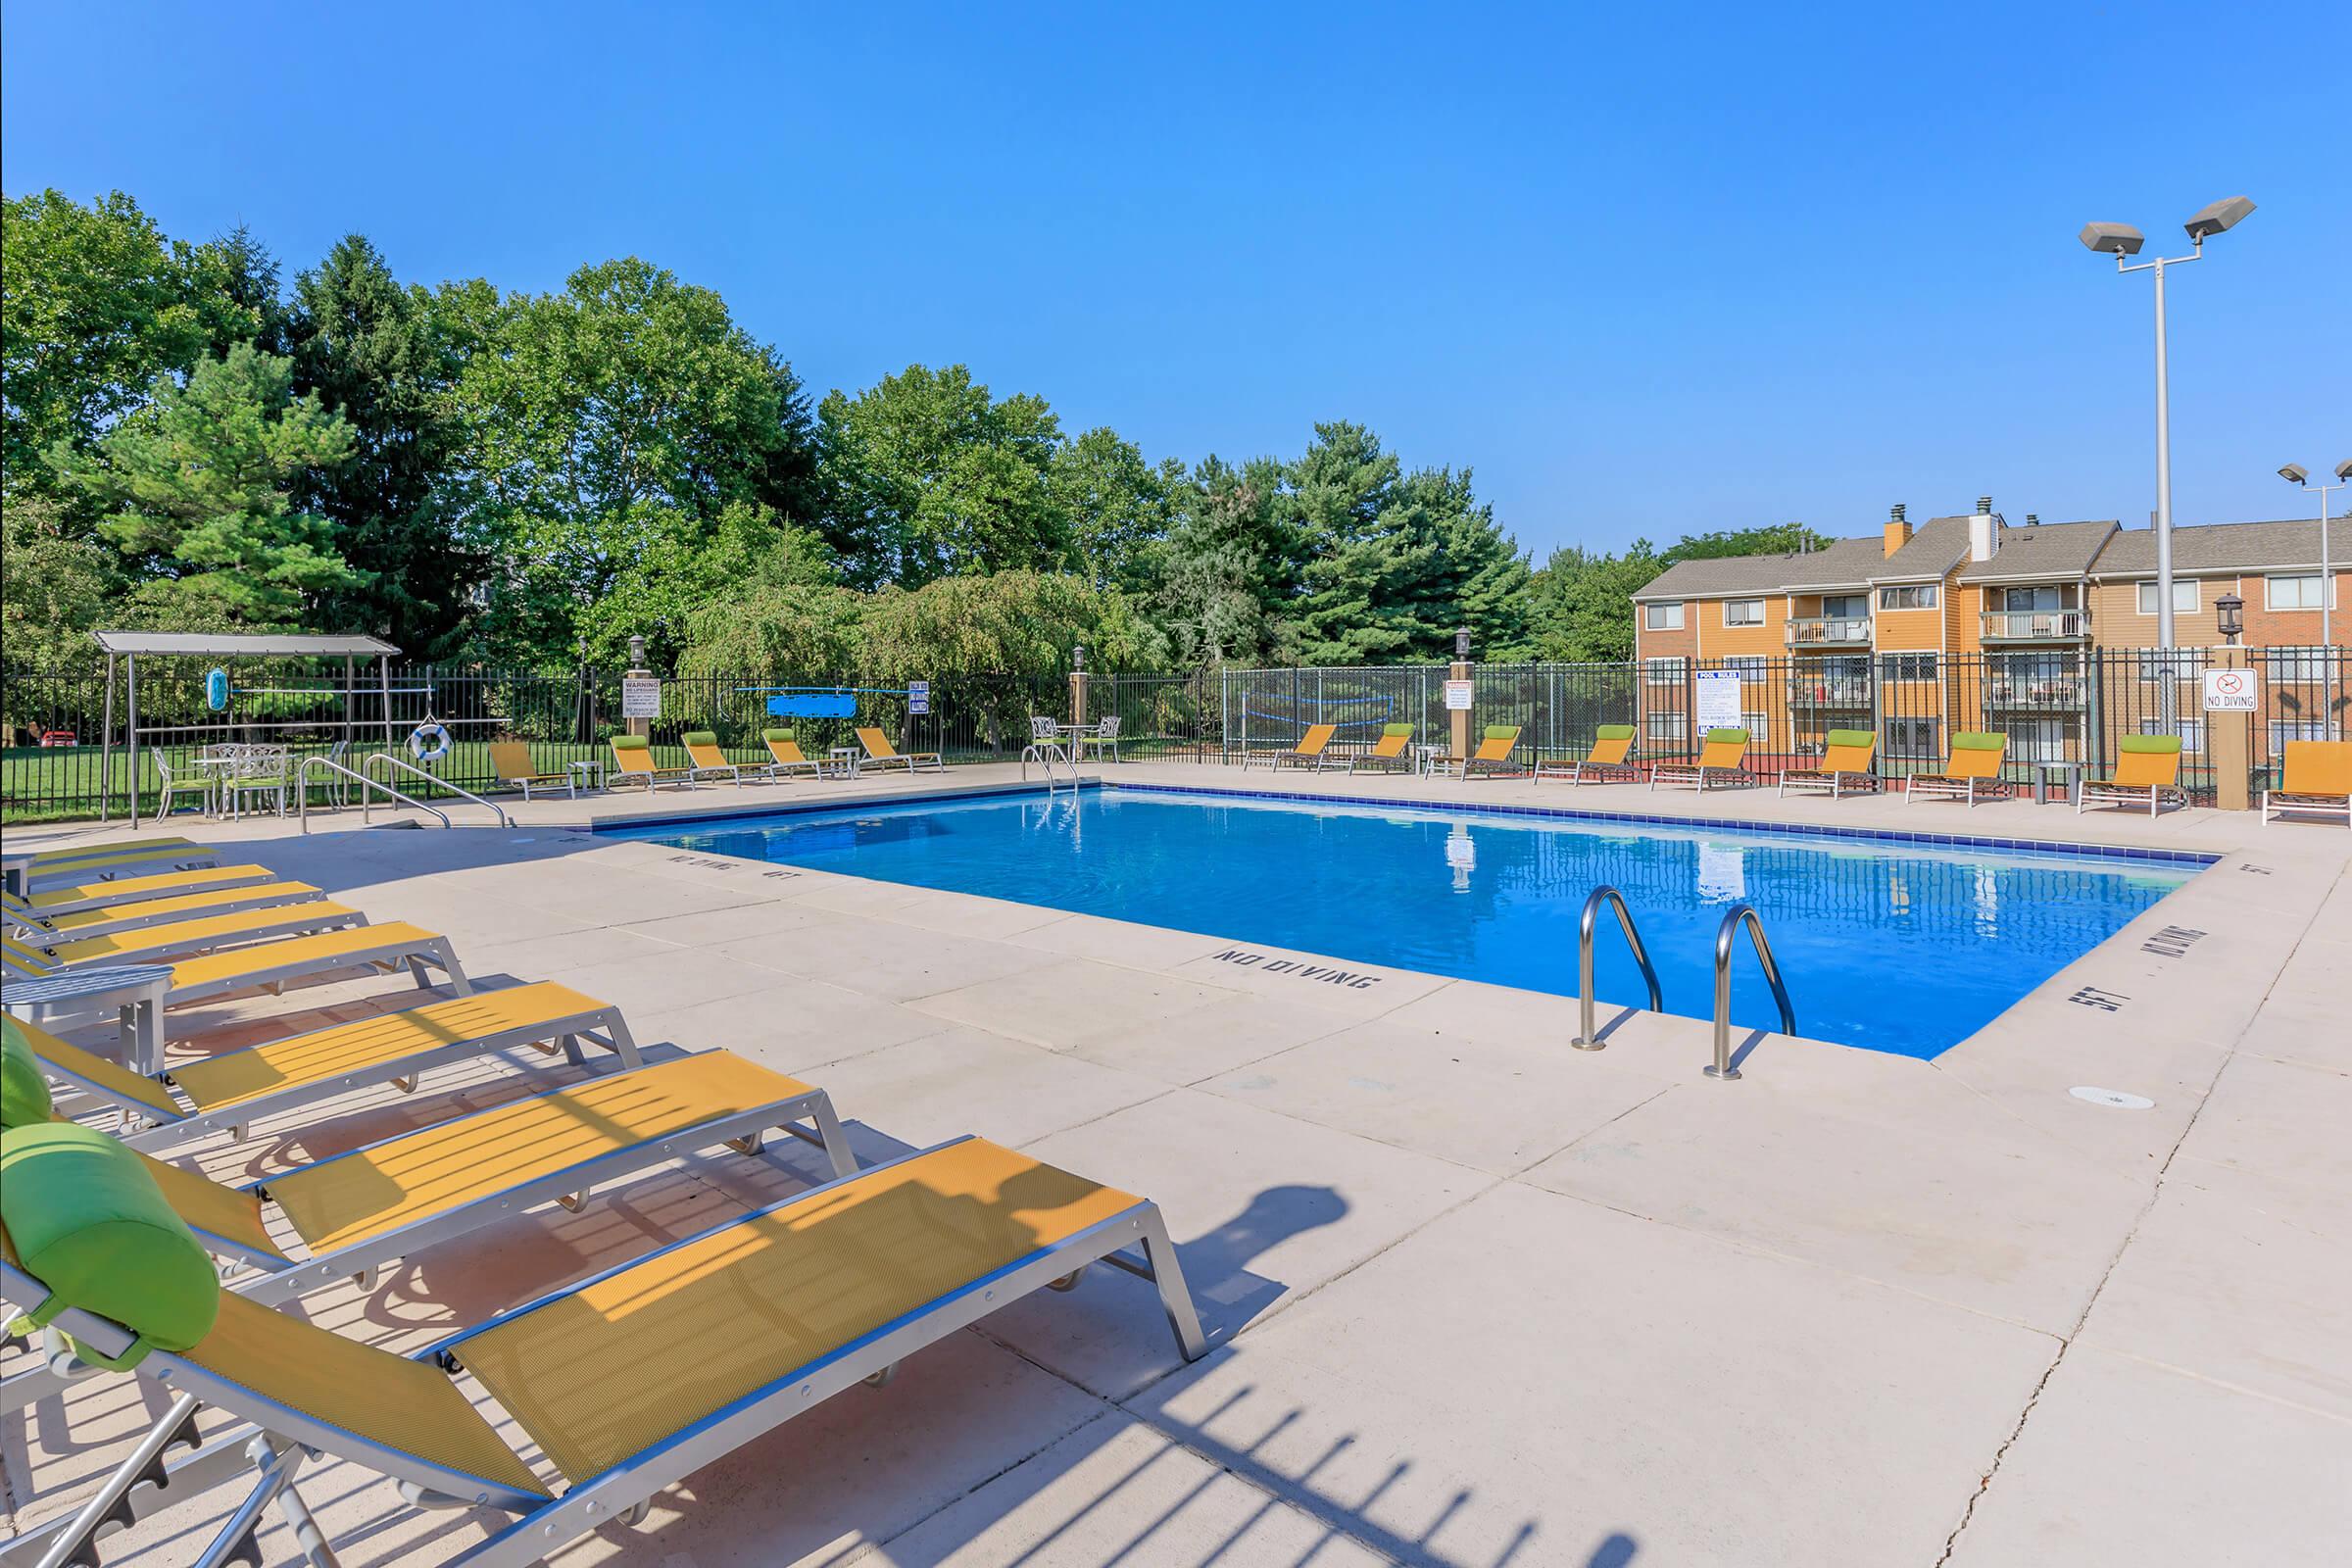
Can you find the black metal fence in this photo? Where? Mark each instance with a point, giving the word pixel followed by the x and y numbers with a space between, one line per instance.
pixel 2070 705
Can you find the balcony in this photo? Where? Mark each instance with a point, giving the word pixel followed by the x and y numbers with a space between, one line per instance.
pixel 1839 693
pixel 2037 625
pixel 2057 694
pixel 1828 631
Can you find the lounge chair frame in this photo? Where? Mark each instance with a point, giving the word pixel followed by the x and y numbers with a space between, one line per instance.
pixel 1622 769
pixel 569 780
pixel 1300 755
pixel 652 775
pixel 287 1438
pixel 1478 765
pixel 1837 782
pixel 2153 793
pixel 1970 787
pixel 696 769
pixel 912 761
pixel 37 876
pixel 430 950
pixel 100 895
pixel 779 766
pixel 295 920
pixel 1703 775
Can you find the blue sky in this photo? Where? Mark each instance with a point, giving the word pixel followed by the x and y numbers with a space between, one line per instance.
pixel 1645 270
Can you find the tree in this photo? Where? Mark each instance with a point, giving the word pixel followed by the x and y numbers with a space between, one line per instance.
pixel 235 281
pixel 748 550
pixel 1580 603
pixel 619 417
pixel 1115 505
pixel 927 477
pixel 60 583
pixel 381 357
pixel 94 305
pixel 201 482
pixel 1231 576
pixel 1771 539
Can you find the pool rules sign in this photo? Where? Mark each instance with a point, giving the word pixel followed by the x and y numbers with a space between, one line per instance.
pixel 2230 691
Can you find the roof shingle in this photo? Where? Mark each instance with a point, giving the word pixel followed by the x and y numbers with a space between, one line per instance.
pixel 2227 546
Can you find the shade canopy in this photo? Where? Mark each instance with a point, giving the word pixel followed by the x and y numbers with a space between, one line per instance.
pixel 243 644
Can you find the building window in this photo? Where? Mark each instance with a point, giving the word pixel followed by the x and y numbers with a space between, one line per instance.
pixel 2037 740
pixel 2190 730
pixel 2181 663
pixel 1662 618
pixel 1915 740
pixel 1911 596
pixel 2295 666
pixel 1743 612
pixel 2298 591
pixel 1910 666
pixel 1750 667
pixel 2185 596
pixel 1846 606
pixel 1666 724
pixel 2283 731
pixel 1662 671
pixel 1758 728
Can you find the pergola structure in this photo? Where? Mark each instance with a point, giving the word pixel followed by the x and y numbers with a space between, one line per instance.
pixel 226 645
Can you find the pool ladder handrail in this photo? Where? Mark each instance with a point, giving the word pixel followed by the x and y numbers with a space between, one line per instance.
pixel 1738 915
pixel 1045 752
pixel 497 812
pixel 334 770
pixel 1588 1039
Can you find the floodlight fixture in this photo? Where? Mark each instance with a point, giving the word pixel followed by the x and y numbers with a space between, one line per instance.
pixel 2221 216
pixel 2113 239
pixel 2295 474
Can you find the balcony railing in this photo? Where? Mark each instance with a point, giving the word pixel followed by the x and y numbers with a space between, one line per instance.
pixel 1828 631
pixel 1829 691
pixel 2035 626
pixel 2055 694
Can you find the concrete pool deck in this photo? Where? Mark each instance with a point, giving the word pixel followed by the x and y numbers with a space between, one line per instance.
pixel 1479 1299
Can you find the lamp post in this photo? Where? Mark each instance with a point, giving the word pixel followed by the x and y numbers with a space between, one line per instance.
pixel 2228 612
pixel 2295 474
pixel 2122 240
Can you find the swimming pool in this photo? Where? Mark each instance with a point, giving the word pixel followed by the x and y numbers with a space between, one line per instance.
pixel 1886 943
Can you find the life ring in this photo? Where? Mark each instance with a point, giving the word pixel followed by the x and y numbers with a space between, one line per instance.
pixel 428 742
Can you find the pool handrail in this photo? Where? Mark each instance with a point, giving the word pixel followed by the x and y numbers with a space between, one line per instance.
pixel 495 811
pixel 1587 1037
pixel 1734 918
pixel 302 790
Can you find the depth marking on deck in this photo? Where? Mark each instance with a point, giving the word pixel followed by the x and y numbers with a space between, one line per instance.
pixel 1298 968
pixel 2104 1001
pixel 2173 942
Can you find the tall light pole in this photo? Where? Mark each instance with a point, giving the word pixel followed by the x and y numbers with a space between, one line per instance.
pixel 2296 474
pixel 2120 240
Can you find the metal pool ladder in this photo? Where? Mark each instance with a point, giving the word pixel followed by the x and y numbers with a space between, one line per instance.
pixel 1587 1037
pixel 1736 916
pixel 1045 745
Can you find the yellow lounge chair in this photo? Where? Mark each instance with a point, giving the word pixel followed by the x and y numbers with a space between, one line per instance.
pixel 264 966
pixel 2147 773
pixel 1309 752
pixel 1608 763
pixel 75 898
pixel 26 916
pixel 367 1207
pixel 704 757
pixel 2314 781
pixel 633 764
pixel 1493 753
pixel 1972 775
pixel 207 934
pixel 1843 770
pixel 879 753
pixel 44 869
pixel 625 1383
pixel 1722 765
pixel 785 757
pixel 511 764
pixel 229 1091
pixel 1393 753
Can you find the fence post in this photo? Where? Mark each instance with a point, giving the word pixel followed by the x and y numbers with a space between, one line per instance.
pixel 1459 717
pixel 2229 741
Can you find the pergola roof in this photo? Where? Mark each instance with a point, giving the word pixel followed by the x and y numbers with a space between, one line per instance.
pixel 243 644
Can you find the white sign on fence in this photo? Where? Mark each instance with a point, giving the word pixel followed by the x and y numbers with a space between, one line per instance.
pixel 2230 691
pixel 1457 696
pixel 640 697
pixel 1716 702
pixel 919 697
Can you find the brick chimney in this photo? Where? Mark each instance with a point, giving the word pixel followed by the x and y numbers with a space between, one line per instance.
pixel 1899 529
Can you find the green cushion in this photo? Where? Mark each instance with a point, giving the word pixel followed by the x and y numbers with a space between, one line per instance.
pixel 1502 732
pixel 1726 737
pixel 1396 729
pixel 23 1090
pixel 87 1221
pixel 776 734
pixel 1614 732
pixel 698 737
pixel 1849 737
pixel 2161 744
pixel 631 743
pixel 1970 740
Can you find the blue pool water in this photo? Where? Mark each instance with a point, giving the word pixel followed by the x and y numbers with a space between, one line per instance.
pixel 1886 943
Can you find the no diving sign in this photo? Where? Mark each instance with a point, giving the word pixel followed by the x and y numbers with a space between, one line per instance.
pixel 2230 691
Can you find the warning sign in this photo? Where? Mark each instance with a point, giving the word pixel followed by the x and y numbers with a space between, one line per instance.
pixel 2230 691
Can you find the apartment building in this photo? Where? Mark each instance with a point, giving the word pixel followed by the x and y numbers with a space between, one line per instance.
pixel 1968 621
